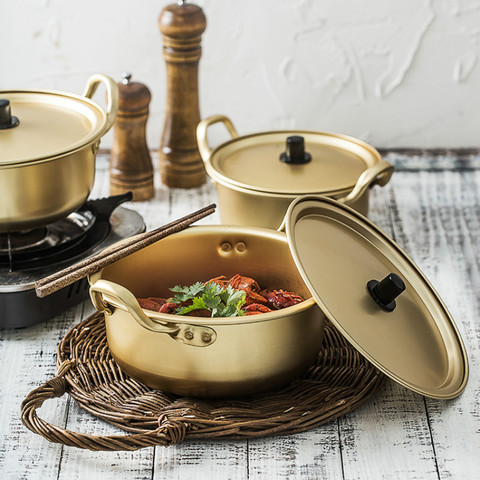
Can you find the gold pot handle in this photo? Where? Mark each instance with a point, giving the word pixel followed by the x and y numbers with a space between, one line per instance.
pixel 112 96
pixel 203 147
pixel 378 174
pixel 101 290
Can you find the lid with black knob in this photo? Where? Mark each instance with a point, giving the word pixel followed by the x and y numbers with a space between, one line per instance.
pixel 293 162
pixel 376 297
pixel 39 125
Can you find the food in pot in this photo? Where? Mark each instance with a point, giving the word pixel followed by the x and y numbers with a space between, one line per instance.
pixel 219 297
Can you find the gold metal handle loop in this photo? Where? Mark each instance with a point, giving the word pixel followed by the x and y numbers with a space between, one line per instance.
pixel 378 174
pixel 103 290
pixel 112 96
pixel 203 147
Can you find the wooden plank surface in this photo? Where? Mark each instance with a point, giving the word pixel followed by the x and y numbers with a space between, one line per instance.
pixel 432 209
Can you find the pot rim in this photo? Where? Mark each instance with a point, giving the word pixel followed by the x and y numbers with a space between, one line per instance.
pixel 93 136
pixel 102 118
pixel 270 192
pixel 273 195
pixel 163 318
pixel 217 321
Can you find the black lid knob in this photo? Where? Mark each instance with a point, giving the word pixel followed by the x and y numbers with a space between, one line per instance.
pixel 6 118
pixel 295 151
pixel 386 291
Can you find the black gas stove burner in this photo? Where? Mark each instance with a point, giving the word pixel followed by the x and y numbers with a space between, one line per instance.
pixel 26 257
pixel 66 239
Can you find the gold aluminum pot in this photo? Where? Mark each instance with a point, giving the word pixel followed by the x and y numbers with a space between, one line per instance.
pixel 255 183
pixel 210 357
pixel 47 157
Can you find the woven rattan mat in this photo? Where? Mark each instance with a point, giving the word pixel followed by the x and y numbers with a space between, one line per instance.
pixel 339 381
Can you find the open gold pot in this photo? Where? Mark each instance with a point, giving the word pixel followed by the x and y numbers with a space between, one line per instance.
pixel 348 270
pixel 47 157
pixel 257 176
pixel 208 356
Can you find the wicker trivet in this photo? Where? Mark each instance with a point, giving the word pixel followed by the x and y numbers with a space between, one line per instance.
pixel 339 381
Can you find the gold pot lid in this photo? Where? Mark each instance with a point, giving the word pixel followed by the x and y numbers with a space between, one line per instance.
pixel 47 124
pixel 355 272
pixel 292 162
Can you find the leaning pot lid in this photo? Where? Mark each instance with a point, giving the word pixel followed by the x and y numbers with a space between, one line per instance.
pixel 46 124
pixel 277 162
pixel 338 252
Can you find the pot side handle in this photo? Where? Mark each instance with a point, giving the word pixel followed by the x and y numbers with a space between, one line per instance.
pixel 112 96
pixel 203 147
pixel 194 335
pixel 378 174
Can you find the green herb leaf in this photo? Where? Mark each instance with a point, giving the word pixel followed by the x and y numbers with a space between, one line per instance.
pixel 186 293
pixel 197 304
pixel 221 302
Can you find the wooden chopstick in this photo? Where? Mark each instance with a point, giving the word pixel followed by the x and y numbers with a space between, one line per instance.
pixel 93 264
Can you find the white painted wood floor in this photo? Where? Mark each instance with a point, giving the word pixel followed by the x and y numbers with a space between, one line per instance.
pixel 431 208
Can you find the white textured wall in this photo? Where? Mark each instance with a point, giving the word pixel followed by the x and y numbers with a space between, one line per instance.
pixel 394 73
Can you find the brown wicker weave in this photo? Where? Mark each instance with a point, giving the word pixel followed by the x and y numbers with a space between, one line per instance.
pixel 339 381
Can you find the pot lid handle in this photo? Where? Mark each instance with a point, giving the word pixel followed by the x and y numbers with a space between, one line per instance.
pixel 295 153
pixel 6 118
pixel 386 291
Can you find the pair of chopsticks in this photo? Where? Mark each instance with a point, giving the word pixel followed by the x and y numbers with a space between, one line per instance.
pixel 93 264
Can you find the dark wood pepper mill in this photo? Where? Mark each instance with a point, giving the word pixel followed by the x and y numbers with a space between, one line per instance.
pixel 182 25
pixel 130 162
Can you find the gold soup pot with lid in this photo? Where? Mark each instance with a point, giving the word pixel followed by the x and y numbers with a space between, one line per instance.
pixel 48 143
pixel 258 175
pixel 345 267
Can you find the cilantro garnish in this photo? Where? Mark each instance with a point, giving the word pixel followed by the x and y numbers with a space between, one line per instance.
pixel 221 302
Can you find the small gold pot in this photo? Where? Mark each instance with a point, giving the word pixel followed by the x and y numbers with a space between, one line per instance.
pixel 348 270
pixel 47 157
pixel 209 357
pixel 257 176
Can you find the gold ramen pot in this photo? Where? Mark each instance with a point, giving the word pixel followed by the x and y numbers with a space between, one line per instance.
pixel 47 157
pixel 348 270
pixel 208 356
pixel 257 176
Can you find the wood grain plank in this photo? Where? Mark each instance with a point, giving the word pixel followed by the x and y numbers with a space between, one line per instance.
pixel 439 215
pixel 202 459
pixel 389 436
pixel 27 357
pixel 312 454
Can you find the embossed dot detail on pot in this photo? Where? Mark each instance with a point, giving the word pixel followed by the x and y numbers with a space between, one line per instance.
pixel 241 247
pixel 225 248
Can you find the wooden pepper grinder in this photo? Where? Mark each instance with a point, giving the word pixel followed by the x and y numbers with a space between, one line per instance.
pixel 130 162
pixel 182 25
